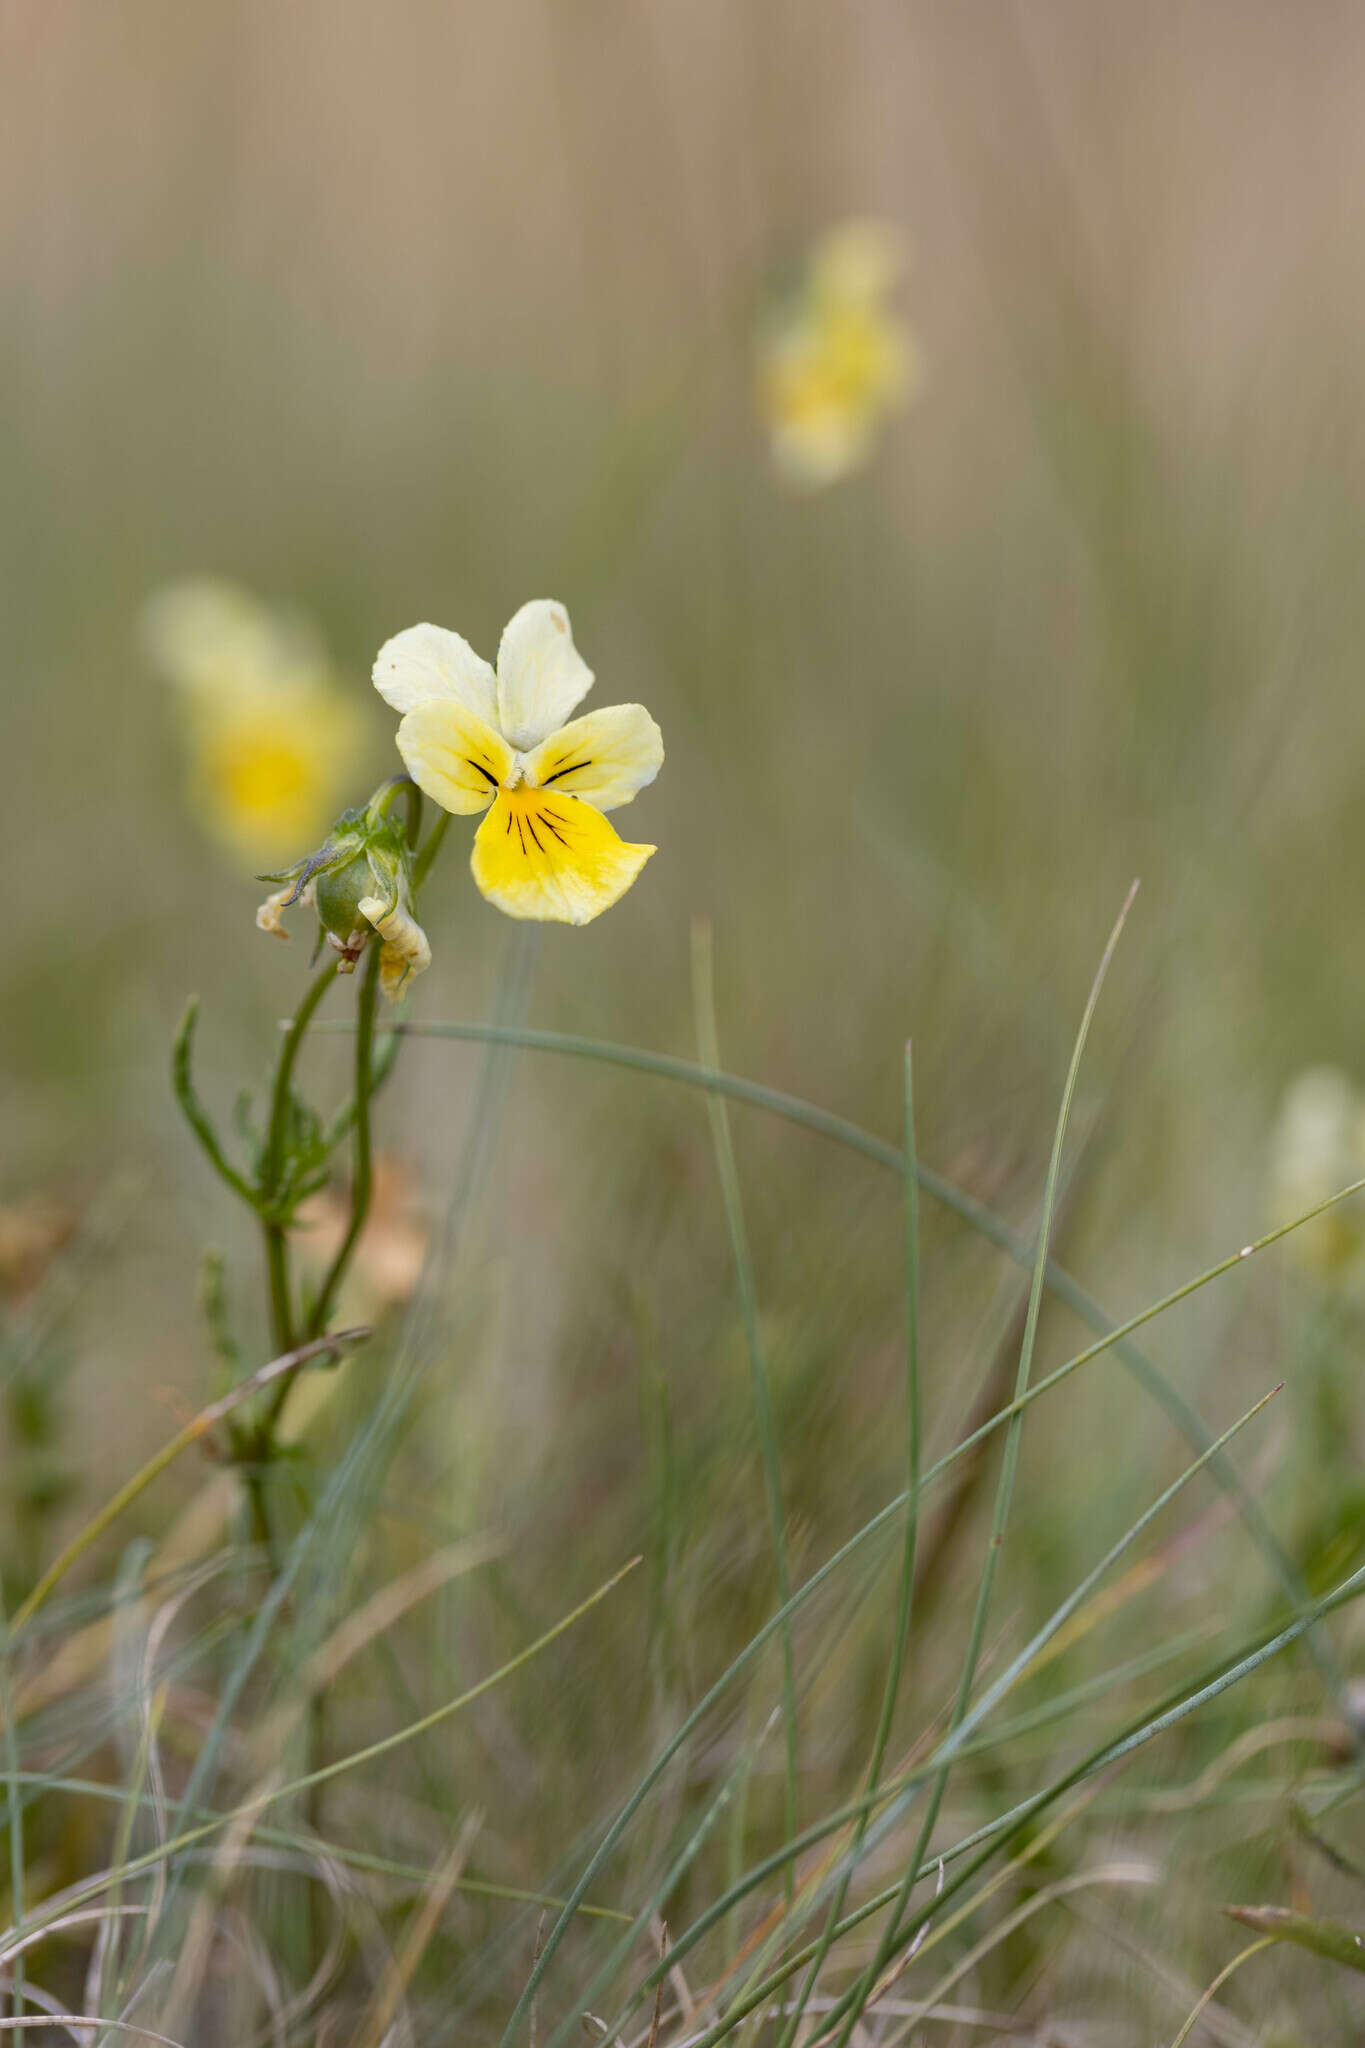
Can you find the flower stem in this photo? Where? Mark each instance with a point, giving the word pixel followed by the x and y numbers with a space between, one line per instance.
pixel 257 1448
pixel 276 1239
pixel 421 866
pixel 404 786
pixel 362 1185
pixel 363 1179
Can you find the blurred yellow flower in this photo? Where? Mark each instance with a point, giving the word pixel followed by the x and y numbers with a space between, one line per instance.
pixel 476 739
pixel 838 360
pixel 1318 1147
pixel 273 739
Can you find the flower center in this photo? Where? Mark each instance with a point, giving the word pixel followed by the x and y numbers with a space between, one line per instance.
pixel 262 776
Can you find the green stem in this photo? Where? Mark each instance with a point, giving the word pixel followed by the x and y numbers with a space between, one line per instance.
pixel 402 785
pixel 258 1447
pixel 193 1110
pixel 422 865
pixel 362 1185
pixel 276 1226
pixel 284 1074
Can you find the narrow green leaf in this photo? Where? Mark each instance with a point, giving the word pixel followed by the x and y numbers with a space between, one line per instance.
pixel 1329 1938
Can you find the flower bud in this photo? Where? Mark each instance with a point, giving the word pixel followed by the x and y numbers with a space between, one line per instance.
pixel 337 893
pixel 361 885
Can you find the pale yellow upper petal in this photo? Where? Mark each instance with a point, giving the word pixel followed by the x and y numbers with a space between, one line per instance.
pixel 542 855
pixel 541 674
pixel 427 664
pixel 454 755
pixel 605 757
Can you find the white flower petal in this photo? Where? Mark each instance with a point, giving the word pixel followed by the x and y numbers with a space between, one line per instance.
pixel 541 674
pixel 405 950
pixel 605 758
pixel 269 917
pixel 426 665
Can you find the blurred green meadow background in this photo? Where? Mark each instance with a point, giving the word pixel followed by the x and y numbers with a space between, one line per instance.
pixel 415 312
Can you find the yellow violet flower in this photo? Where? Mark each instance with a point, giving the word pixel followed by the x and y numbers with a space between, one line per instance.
pixel 1318 1147
pixel 268 770
pixel 273 739
pixel 479 739
pixel 838 361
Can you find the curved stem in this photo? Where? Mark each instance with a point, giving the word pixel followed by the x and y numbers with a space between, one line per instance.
pixel 364 1171
pixel 276 1240
pixel 422 865
pixel 402 785
pixel 360 1199
pixel 284 1074
pixel 193 1110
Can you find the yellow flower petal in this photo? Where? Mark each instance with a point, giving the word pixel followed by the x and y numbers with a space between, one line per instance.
pixel 426 665
pixel 454 755
pixel 605 758
pixel 269 767
pixel 540 854
pixel 829 381
pixel 541 674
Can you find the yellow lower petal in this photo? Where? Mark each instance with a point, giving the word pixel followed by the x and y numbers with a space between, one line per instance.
pixel 539 854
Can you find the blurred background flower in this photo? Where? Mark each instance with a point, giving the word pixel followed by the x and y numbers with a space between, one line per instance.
pixel 1318 1148
pixel 275 741
pixel 837 361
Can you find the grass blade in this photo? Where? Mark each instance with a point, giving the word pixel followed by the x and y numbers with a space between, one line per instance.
pixel 1004 1490
pixel 1328 1938
pixel 842 1131
pixel 704 1001
pixel 905 1598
